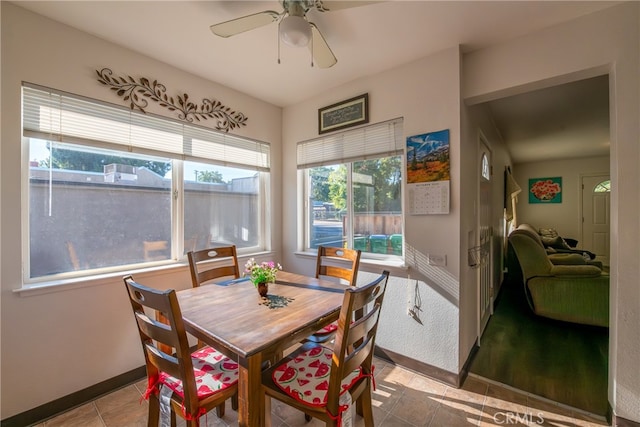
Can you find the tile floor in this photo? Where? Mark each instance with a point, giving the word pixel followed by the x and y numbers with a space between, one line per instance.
pixel 402 398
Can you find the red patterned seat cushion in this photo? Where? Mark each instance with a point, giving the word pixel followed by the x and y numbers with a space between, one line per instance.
pixel 306 377
pixel 213 371
pixel 328 329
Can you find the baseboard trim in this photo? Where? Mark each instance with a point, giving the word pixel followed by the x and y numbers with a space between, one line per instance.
pixel 467 364
pixel 623 422
pixel 609 414
pixel 422 368
pixel 73 400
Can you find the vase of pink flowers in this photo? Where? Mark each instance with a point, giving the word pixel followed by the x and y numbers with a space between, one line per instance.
pixel 261 274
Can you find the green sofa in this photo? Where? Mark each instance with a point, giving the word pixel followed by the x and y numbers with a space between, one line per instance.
pixel 513 266
pixel 560 252
pixel 577 293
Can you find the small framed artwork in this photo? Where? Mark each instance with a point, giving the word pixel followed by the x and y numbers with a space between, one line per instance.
pixel 545 190
pixel 344 114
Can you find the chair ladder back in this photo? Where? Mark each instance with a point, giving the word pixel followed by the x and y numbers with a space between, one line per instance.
pixel 340 263
pixel 338 272
pixel 362 306
pixel 358 349
pixel 191 244
pixel 158 332
pixel 362 331
pixel 73 255
pixel 155 250
pixel 212 263
pixel 218 272
pixel 354 342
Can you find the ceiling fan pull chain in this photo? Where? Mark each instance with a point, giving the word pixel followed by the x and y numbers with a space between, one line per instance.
pixel 311 52
pixel 278 36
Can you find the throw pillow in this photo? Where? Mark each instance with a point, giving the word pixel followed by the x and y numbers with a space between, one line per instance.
pixel 548 232
pixel 554 242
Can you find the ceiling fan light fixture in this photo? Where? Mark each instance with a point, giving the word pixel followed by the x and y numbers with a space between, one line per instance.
pixel 295 31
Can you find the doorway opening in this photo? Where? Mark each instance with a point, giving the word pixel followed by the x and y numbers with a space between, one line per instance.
pixel 547 358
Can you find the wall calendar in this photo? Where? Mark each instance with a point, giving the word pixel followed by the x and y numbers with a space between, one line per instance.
pixel 428 173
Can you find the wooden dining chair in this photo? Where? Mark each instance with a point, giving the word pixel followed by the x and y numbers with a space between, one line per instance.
pixel 73 256
pixel 191 244
pixel 341 264
pixel 155 250
pixel 313 378
pixel 194 383
pixel 213 263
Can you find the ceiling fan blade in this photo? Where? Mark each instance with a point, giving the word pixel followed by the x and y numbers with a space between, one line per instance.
pixel 245 23
pixel 323 57
pixel 329 5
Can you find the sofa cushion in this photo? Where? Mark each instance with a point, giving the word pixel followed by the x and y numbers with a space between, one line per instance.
pixel 576 271
pixel 564 258
pixel 548 232
pixel 554 242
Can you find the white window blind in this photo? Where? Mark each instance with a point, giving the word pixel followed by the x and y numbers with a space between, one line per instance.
pixel 368 142
pixel 58 116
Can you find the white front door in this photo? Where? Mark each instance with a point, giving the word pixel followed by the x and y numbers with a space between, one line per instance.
pixel 485 267
pixel 596 194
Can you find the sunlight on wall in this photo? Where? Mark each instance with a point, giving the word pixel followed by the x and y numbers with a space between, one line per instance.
pixel 436 276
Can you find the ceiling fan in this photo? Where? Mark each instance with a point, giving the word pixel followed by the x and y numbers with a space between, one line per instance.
pixel 294 27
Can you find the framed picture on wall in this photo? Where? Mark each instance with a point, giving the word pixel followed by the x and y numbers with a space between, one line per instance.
pixel 344 114
pixel 545 190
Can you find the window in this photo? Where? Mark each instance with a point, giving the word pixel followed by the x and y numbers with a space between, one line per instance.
pixel 486 173
pixel 222 206
pixel 109 188
pixel 353 190
pixel 603 187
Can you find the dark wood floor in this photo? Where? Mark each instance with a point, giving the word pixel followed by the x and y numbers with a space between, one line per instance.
pixel 560 361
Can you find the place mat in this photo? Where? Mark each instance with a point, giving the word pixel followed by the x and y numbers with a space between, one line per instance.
pixel 311 286
pixel 275 301
pixel 233 281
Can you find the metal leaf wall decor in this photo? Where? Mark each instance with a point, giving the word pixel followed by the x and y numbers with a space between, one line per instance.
pixel 138 92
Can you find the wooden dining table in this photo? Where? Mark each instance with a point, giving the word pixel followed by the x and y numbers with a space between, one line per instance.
pixel 236 320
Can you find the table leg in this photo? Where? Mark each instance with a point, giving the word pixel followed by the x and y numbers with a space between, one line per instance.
pixel 266 410
pixel 250 402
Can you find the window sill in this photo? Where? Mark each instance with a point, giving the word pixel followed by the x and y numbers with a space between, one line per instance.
pixel 71 283
pixel 396 267
pixel 66 284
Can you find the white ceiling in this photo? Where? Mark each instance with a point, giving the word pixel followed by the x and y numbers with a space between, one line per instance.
pixel 366 40
pixel 559 122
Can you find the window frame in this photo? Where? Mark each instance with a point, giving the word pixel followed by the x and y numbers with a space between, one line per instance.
pixel 261 166
pixel 350 156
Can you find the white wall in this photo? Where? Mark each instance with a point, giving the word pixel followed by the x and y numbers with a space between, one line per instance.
pixel 564 217
pixel 57 343
pixel 606 41
pixel 426 94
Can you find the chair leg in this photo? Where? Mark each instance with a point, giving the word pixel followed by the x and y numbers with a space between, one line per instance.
pixel 234 402
pixel 220 410
pixel 307 417
pixel 364 407
pixel 154 411
pixel 266 410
